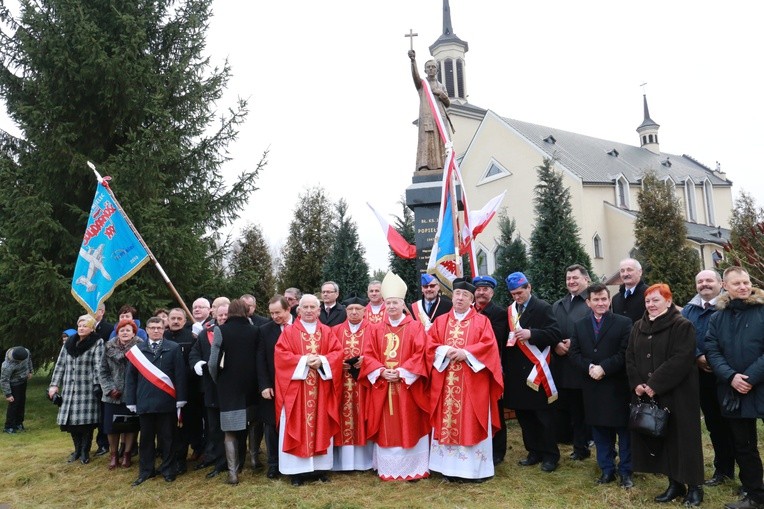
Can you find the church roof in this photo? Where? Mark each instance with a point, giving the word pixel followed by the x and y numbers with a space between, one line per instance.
pixel 448 35
pixel 601 161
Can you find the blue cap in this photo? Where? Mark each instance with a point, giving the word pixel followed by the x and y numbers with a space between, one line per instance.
pixel 427 279
pixel 484 281
pixel 70 332
pixel 516 280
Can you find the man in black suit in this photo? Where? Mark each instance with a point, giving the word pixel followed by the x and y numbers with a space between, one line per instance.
pixel 497 315
pixel 598 350
pixel 332 312
pixel 528 384
pixel 281 316
pixel 156 396
pixel 432 304
pixel 630 299
pixel 251 303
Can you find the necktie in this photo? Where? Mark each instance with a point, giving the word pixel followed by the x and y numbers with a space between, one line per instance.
pixel 428 306
pixel 627 294
pixel 706 305
pixel 520 308
pixel 154 345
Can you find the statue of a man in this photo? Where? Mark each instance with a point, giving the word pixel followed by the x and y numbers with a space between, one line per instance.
pixel 430 152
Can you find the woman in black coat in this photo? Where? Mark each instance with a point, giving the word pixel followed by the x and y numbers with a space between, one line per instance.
pixel 660 362
pixel 232 367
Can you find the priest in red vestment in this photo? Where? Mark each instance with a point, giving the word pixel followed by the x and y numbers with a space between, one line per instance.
pixel 394 370
pixel 351 449
pixel 465 384
pixel 308 364
pixel 375 309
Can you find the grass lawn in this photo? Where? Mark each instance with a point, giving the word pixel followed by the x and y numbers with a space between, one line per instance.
pixel 34 473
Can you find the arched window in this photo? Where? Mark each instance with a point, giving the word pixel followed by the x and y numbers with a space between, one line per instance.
pixel 689 199
pixel 597 246
pixel 622 192
pixel 708 195
pixel 449 77
pixel 650 137
pixel 482 262
pixel 460 78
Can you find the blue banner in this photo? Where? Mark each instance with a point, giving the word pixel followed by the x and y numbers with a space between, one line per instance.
pixel 109 255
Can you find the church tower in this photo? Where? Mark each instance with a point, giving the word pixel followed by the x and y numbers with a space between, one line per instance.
pixel 449 52
pixel 648 131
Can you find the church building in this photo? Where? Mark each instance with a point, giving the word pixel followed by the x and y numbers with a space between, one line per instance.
pixel 604 177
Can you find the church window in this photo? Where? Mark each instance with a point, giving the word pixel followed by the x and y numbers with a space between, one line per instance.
pixel 644 140
pixel 550 139
pixel 708 194
pixel 597 246
pixel 482 262
pixel 494 171
pixel 449 77
pixel 689 199
pixel 650 137
pixel 613 152
pixel 460 78
pixel 622 192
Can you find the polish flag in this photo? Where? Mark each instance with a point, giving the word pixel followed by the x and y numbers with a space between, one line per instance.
pixel 398 244
pixel 479 219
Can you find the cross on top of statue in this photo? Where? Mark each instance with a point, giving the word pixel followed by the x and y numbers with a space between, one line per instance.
pixel 411 34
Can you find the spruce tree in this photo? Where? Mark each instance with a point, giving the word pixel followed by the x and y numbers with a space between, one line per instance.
pixel 345 264
pixel 406 269
pixel 555 241
pixel 511 257
pixel 311 233
pixel 746 245
pixel 126 85
pixel 251 267
pixel 660 235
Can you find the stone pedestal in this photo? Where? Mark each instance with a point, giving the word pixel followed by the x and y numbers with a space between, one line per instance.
pixel 423 198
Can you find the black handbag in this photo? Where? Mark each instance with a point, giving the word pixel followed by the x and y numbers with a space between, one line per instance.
pixel 125 423
pixel 647 418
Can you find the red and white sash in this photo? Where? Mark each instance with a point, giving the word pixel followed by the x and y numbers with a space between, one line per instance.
pixel 150 372
pixel 540 375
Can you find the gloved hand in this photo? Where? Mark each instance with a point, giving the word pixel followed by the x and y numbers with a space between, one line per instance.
pixel 198 367
pixel 132 408
pixel 180 404
pixel 197 328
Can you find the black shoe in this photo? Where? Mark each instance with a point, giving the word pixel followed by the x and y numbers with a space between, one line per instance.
pixel 182 469
pixel 143 478
pixel 20 427
pixel 101 451
pixel 717 479
pixel 606 478
pixel 204 464
pixel 10 431
pixel 324 478
pixel 73 457
pixel 549 466
pixel 694 496
pixel 273 473
pixel 215 472
pixel 529 461
pixel 674 490
pixel 169 477
pixel 744 503
pixel 296 480
pixel 497 461
pixel 579 455
pixel 627 481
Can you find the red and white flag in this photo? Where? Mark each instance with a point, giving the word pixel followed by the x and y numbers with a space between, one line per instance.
pixel 479 219
pixel 398 244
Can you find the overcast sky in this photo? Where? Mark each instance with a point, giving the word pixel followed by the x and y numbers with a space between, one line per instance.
pixel 331 94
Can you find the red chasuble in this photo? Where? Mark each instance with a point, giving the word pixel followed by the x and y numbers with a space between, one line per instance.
pixel 353 394
pixel 459 397
pixel 375 318
pixel 311 405
pixel 396 413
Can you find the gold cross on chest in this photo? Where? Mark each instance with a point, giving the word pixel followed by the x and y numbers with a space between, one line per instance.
pixel 352 341
pixel 456 333
pixel 312 345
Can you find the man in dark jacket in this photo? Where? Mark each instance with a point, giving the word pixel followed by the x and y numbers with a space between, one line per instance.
pixel 332 312
pixel 735 349
pixel 432 304
pixel 630 299
pixel 266 377
pixel 191 434
pixel 699 311
pixel 598 350
pixel 155 388
pixel 570 407
pixel 497 315
pixel 533 334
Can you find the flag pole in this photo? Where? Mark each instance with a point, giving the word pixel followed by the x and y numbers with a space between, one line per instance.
pixel 165 277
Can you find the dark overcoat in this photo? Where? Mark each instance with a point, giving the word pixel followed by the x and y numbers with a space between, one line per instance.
pixel 266 372
pixel 113 368
pixel 336 315
pixel 237 379
pixel 497 315
pixel 539 318
pixel 634 306
pixel 148 398
pixel 606 401
pixel 567 312
pixel 661 354
pixel 200 351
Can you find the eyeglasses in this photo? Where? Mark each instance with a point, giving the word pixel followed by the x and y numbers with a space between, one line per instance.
pixel 433 285
pixel 328 291
pixel 155 327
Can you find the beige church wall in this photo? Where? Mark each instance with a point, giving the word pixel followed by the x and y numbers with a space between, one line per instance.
pixel 620 226
pixel 723 204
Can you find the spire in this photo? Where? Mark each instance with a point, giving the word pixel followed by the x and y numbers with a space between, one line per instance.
pixel 648 131
pixel 448 50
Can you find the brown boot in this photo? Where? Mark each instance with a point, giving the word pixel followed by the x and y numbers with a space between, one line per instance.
pixel 127 459
pixel 112 460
